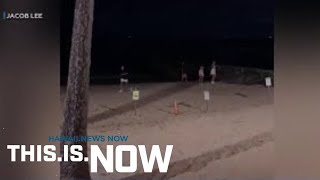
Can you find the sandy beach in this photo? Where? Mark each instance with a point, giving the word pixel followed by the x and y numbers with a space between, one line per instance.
pixel 231 139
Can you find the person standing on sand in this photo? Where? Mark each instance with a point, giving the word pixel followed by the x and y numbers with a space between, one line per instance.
pixel 184 76
pixel 201 74
pixel 213 72
pixel 123 79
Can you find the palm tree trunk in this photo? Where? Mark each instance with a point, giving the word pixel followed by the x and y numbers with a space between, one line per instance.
pixel 76 107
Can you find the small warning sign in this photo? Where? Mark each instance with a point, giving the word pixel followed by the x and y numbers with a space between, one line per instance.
pixel 135 95
pixel 268 81
pixel 206 95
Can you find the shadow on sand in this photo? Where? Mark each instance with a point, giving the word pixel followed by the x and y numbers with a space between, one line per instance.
pixel 194 164
pixel 142 102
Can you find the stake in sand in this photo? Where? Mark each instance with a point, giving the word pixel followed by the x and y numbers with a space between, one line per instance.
pixel 206 98
pixel 176 109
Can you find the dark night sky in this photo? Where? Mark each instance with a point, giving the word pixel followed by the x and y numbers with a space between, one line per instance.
pixel 185 19
pixel 143 33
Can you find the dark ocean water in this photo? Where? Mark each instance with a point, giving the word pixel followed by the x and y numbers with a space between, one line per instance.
pixel 160 61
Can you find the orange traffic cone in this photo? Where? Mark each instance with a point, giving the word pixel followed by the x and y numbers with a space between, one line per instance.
pixel 176 108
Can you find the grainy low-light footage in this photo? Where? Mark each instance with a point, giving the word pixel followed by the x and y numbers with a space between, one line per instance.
pixel 190 80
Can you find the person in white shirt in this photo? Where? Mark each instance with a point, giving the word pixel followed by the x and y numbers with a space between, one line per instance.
pixel 201 74
pixel 213 72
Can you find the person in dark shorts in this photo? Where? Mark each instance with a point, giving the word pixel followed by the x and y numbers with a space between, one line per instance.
pixel 213 72
pixel 201 74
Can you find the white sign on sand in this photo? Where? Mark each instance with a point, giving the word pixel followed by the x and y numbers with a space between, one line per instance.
pixel 206 95
pixel 135 95
pixel 268 81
